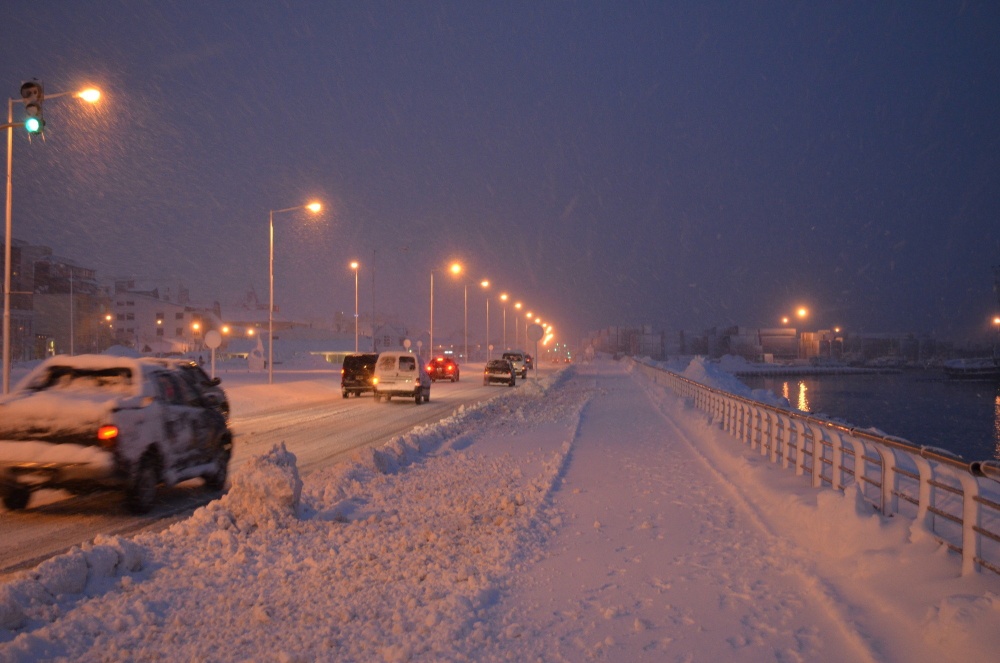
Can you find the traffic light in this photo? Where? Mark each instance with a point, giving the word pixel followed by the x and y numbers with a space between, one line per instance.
pixel 33 96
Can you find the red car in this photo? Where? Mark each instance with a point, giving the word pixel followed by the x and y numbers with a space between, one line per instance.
pixel 443 368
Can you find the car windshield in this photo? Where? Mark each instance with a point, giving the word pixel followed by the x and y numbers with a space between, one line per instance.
pixel 70 378
pixel 497 364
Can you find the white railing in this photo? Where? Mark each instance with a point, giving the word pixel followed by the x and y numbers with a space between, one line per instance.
pixel 958 502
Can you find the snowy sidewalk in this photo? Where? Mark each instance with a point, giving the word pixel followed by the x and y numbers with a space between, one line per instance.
pixel 655 561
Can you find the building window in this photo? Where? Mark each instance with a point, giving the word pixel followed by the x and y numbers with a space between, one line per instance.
pixel 179 316
pixel 128 303
pixel 130 316
pixel 159 331
pixel 121 316
pixel 159 316
pixel 180 332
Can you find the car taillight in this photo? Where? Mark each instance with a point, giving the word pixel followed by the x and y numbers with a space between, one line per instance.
pixel 341 371
pixel 107 435
pixel 451 368
pixel 430 367
pixel 374 381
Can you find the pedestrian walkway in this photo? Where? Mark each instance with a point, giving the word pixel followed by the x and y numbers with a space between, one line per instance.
pixel 655 560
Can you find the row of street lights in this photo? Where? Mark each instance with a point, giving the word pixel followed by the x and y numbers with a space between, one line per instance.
pixel 92 95
pixel 456 269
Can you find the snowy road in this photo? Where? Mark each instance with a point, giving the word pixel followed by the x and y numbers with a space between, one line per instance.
pixel 318 426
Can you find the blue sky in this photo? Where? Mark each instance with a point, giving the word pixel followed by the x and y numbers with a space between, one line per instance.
pixel 683 164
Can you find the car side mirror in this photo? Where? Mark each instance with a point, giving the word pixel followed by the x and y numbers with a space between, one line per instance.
pixel 214 382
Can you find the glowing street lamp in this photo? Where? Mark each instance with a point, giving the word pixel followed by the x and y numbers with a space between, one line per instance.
pixel 90 95
pixel 313 207
pixel 355 265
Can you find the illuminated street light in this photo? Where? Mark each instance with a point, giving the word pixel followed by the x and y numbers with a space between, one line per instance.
pixel 354 266
pixel 802 312
pixel 455 268
pixel 90 95
pixel 313 207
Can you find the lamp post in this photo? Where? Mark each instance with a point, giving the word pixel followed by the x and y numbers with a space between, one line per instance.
pixel 503 298
pixel 486 284
pixel 456 269
pixel 354 266
pixel 517 307
pixel 90 95
pixel 313 207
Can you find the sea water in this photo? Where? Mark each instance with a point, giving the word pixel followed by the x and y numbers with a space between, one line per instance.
pixel 924 407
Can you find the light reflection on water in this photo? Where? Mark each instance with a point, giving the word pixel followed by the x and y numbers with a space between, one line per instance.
pixel 803 401
pixel 923 407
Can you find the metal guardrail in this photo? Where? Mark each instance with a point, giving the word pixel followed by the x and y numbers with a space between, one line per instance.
pixel 956 501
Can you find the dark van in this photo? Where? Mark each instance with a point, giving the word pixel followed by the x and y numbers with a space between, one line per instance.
pixel 357 373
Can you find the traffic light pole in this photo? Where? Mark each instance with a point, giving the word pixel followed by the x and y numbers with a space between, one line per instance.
pixel 7 252
pixel 8 237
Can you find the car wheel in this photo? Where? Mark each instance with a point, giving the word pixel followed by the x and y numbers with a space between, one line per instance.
pixel 416 399
pixel 345 393
pixel 141 491
pixel 378 396
pixel 217 480
pixel 485 382
pixel 16 497
pixel 512 381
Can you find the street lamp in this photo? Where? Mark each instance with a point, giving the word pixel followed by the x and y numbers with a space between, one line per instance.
pixel 456 269
pixel 486 284
pixel 517 307
pixel 313 207
pixel 89 95
pixel 354 266
pixel 503 298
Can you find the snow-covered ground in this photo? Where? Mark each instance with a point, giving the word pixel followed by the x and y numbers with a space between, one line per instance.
pixel 591 516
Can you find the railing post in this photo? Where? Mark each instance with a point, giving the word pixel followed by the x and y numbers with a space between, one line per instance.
pixel 800 448
pixel 860 464
pixel 890 500
pixel 774 427
pixel 925 518
pixel 971 520
pixel 836 473
pixel 817 455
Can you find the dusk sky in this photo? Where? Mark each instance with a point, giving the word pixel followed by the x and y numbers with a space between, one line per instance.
pixel 682 164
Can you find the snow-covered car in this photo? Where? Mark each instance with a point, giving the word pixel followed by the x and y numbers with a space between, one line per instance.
pixel 401 374
pixel 499 370
pixel 207 387
pixel 443 368
pixel 94 422
pixel 516 358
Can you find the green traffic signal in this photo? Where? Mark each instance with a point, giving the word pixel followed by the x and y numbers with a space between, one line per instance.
pixel 33 125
